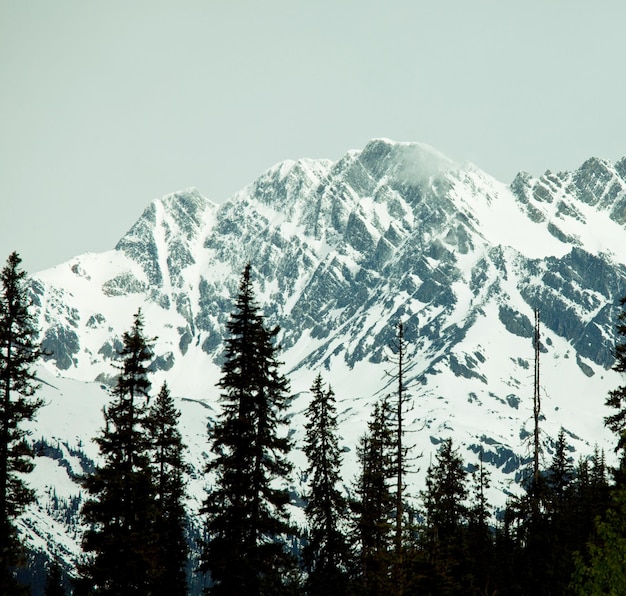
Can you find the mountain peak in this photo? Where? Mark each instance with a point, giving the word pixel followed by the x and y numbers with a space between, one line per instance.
pixel 599 184
pixel 163 239
pixel 343 251
pixel 409 162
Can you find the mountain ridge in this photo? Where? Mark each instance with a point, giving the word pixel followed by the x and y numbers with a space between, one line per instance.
pixel 341 252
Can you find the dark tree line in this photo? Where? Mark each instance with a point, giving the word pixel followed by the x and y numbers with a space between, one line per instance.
pixel 565 534
pixel 600 569
pixel 135 542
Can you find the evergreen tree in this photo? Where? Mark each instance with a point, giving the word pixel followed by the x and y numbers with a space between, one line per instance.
pixel 617 398
pixel 508 554
pixel 326 554
pixel 480 540
pixel 120 511
pixel 559 540
pixel 592 494
pixel 246 511
pixel 560 475
pixel 535 553
pixel 168 474
pixel 603 570
pixel 54 581
pixel 374 505
pixel 530 528
pixel 446 519
pixel 19 350
pixel 587 499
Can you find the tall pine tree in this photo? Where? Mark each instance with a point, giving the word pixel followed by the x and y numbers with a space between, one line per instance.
pixel 247 520
pixel 617 399
pixel 480 539
pixel 446 521
pixel 168 475
pixel 560 539
pixel 326 553
pixel 374 505
pixel 120 510
pixel 19 350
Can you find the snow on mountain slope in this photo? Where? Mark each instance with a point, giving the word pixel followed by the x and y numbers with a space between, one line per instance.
pixel 341 252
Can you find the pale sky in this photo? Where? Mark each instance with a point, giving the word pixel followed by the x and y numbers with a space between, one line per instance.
pixel 107 105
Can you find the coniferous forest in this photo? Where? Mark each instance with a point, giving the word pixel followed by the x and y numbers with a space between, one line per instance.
pixel 565 534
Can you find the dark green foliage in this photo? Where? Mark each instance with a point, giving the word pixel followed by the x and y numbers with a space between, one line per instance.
pixel 559 540
pixel 480 537
pixel 551 537
pixel 445 494
pixel 54 581
pixel 245 510
pixel 19 350
pixel 168 468
pixel 588 498
pixel 617 399
pixel 603 570
pixel 541 527
pixel 564 535
pixel 121 508
pixel 374 506
pixel 559 475
pixel 326 553
pixel 535 550
pixel 446 517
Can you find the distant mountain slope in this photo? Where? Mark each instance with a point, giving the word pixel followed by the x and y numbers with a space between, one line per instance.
pixel 341 252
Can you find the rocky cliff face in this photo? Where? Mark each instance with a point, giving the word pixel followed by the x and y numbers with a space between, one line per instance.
pixel 341 252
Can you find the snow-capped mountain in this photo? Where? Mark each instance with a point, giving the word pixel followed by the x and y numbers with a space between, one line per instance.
pixel 340 253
